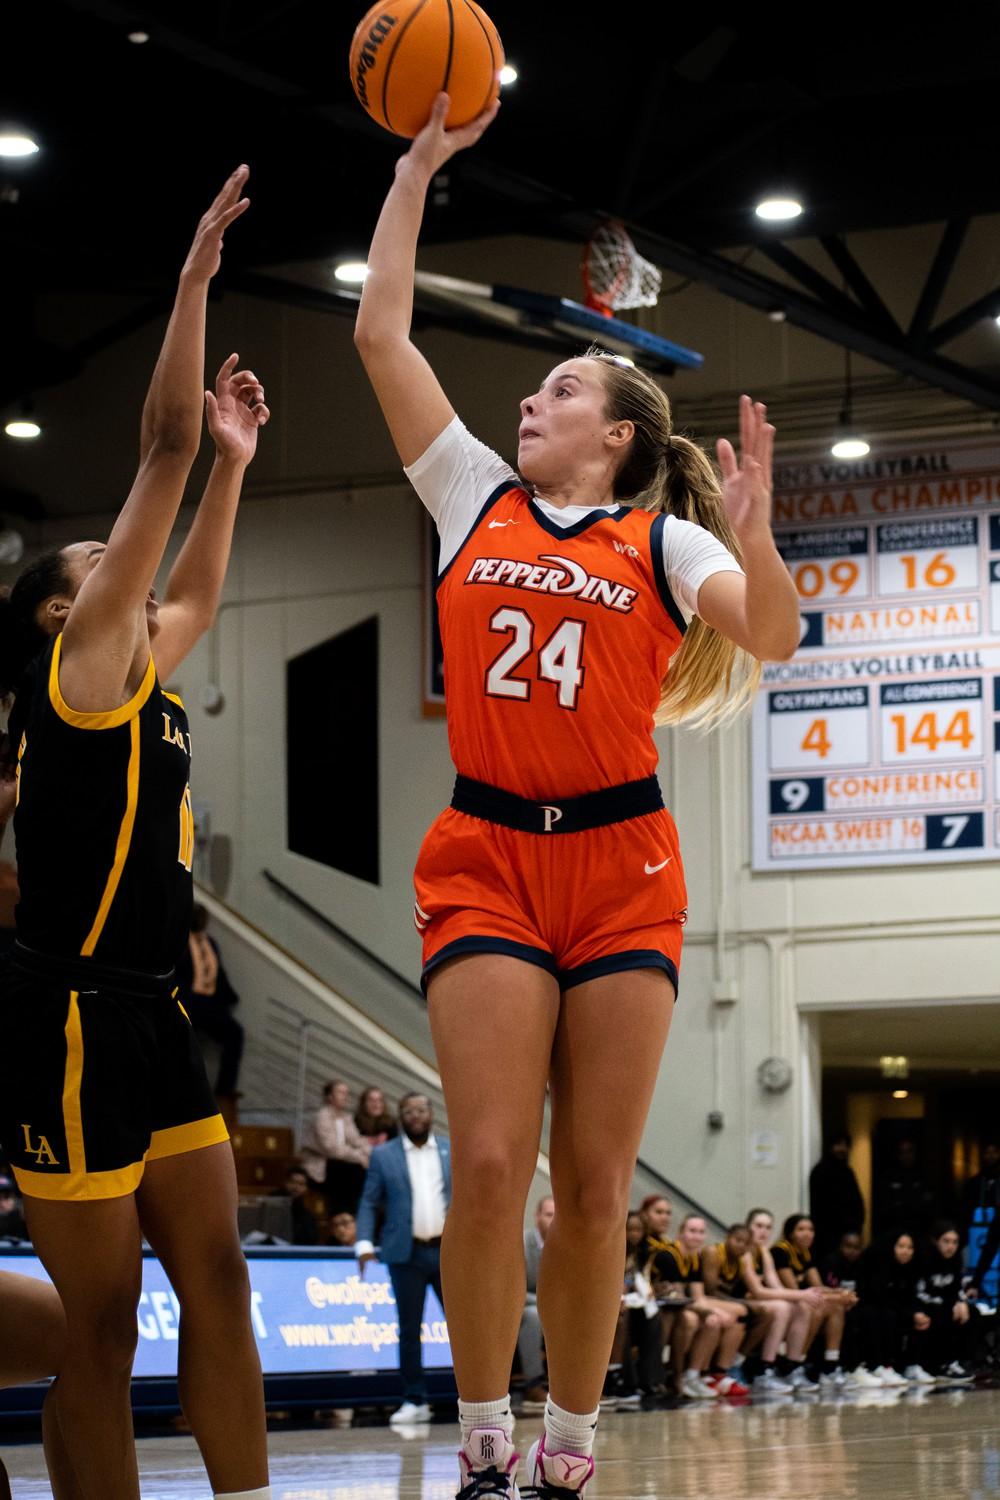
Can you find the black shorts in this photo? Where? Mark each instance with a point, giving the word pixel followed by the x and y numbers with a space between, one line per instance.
pixel 97 1081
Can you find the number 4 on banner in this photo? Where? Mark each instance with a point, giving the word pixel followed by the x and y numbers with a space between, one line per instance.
pixel 817 739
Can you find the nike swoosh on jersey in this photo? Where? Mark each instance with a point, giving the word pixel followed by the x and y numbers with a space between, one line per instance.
pixel 652 869
pixel 495 525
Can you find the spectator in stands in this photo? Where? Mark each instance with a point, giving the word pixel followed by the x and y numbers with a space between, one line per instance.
pixel 835 1201
pixel 333 1152
pixel 944 1347
pixel 981 1205
pixel 205 992
pixel 764 1287
pixel 375 1124
pixel 797 1270
pixel 888 1313
pixel 631 1380
pixel 12 1225
pixel 902 1199
pixel 529 1338
pixel 342 1229
pixel 410 1179
pixel 711 1329
pixel 305 1230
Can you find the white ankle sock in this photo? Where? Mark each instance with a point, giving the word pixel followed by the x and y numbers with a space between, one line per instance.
pixel 568 1432
pixel 832 1357
pixel 486 1414
pixel 264 1493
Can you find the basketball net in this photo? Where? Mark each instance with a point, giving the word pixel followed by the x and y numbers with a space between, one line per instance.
pixel 615 275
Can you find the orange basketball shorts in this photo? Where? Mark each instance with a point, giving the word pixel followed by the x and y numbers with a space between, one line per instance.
pixel 580 904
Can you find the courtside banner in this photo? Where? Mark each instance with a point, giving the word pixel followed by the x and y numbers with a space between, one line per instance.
pixel 311 1315
pixel 879 743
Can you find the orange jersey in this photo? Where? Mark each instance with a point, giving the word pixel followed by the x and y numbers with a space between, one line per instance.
pixel 556 642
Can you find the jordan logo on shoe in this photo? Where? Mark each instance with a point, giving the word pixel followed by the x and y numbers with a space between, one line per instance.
pixel 568 1467
pixel 653 869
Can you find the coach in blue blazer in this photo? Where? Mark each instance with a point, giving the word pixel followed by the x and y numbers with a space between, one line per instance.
pixel 410 1180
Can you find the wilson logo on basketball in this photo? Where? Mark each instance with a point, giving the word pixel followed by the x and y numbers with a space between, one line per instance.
pixel 368 55
pixel 567 578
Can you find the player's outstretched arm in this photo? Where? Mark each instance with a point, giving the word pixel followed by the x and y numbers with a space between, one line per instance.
pixel 415 407
pixel 236 412
pixel 107 622
pixel 761 611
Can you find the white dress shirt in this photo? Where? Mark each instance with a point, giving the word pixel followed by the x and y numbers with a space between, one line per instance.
pixel 427 1188
pixel 423 1163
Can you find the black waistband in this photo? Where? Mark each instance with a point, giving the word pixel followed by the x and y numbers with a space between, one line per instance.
pixel 613 804
pixel 82 974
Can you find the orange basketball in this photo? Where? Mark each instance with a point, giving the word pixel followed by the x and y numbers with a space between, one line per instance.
pixel 405 52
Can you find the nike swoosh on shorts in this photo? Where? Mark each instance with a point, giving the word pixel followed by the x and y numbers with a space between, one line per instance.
pixel 652 869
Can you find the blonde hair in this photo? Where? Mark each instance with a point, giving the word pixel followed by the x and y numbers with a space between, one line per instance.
pixel 710 679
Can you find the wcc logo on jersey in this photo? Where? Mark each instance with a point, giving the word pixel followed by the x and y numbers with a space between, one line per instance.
pixel 561 576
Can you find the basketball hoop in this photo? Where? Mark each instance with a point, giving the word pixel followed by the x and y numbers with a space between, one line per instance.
pixel 615 275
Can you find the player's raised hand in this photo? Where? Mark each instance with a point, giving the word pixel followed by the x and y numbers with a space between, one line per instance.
pixel 236 412
pixel 435 145
pixel 205 255
pixel 747 479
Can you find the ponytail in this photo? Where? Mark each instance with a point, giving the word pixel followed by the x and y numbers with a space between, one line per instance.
pixel 710 680
pixel 21 637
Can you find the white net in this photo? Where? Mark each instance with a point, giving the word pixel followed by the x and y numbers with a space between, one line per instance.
pixel 615 275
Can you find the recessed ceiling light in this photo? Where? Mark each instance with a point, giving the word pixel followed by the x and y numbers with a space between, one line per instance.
pixel 900 1094
pixel 850 448
pixel 777 209
pixel 16 143
pixel 21 427
pixel 508 74
pixel 138 37
pixel 351 271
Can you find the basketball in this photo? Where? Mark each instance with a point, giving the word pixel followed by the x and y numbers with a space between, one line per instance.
pixel 405 52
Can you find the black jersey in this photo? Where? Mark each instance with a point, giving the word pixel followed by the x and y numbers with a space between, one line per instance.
pixel 789 1257
pixel 730 1272
pixel 674 1265
pixel 103 822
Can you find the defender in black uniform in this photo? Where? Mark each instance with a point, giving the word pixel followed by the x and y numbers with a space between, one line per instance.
pixel 107 1117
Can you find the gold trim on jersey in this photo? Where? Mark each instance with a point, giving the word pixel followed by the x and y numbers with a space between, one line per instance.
pixel 730 1271
pixel 180 1138
pixel 173 698
pixel 77 1183
pixel 122 846
pixel 800 1261
pixel 103 718
pixel 688 1265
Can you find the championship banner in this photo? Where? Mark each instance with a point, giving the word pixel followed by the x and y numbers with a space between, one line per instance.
pixel 312 1314
pixel 879 742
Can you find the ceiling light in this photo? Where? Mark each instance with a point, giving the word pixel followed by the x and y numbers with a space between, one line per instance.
pixel 901 1093
pixel 778 209
pixel 851 447
pixel 16 143
pixel 138 37
pixel 21 427
pixel 351 271
pixel 508 74
pixel 777 315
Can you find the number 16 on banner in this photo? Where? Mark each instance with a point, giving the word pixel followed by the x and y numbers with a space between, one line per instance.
pixel 817 728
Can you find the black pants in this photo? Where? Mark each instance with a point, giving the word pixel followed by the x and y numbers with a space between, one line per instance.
pixel 883 1332
pixel 410 1280
pixel 217 1021
pixel 944 1340
pixel 644 1370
